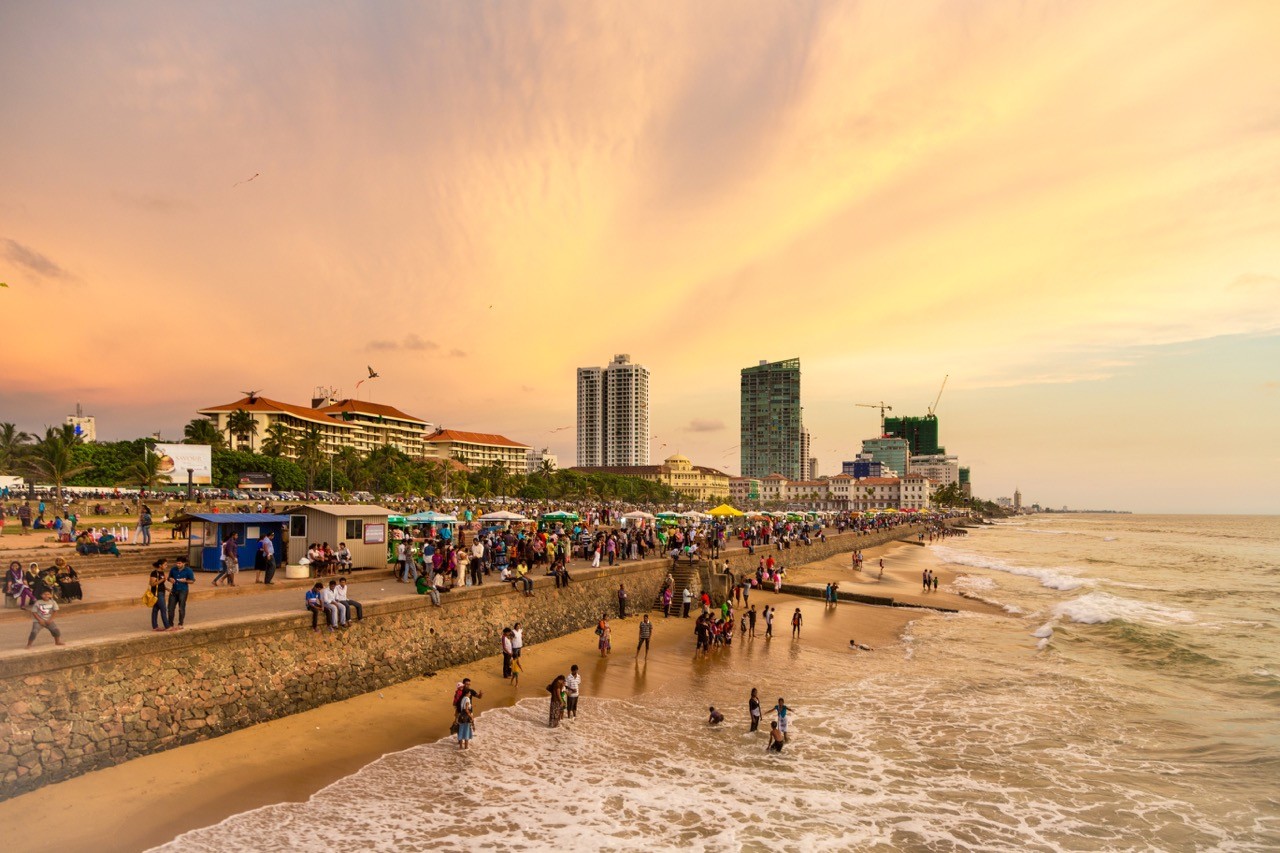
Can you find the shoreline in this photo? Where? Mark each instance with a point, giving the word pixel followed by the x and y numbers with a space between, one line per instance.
pixel 291 758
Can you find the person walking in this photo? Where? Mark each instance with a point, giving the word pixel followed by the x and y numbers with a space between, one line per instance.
pixel 782 711
pixel 646 631
pixel 796 621
pixel 753 708
pixel 572 684
pixel 768 622
pixel 751 622
pixel 180 577
pixel 686 598
pixel 158 586
pixel 230 564
pixel 24 518
pixel 622 601
pixel 144 526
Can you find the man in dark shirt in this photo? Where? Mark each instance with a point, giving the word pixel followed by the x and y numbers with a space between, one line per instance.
pixel 646 631
pixel 181 576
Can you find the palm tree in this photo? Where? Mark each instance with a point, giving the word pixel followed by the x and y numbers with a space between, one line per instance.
pixel 53 458
pixel 13 444
pixel 310 453
pixel 279 440
pixel 145 472
pixel 243 426
pixel 202 431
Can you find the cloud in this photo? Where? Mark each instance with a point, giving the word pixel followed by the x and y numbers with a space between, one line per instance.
pixel 705 425
pixel 33 261
pixel 151 202
pixel 457 353
pixel 414 342
pixel 410 342
pixel 1271 386
pixel 1251 280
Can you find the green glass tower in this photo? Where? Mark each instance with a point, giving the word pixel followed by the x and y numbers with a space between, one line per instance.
pixel 920 432
pixel 771 419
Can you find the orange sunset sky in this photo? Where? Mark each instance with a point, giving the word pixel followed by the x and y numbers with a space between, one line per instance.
pixel 1072 208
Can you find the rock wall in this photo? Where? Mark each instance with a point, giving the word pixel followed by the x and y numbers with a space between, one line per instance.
pixel 78 709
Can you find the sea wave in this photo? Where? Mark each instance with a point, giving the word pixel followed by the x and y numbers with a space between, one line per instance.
pixel 979 588
pixel 1058 579
pixel 1096 608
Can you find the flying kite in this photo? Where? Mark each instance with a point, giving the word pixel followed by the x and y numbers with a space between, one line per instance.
pixel 245 181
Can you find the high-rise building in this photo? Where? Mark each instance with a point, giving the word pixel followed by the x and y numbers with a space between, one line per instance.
pixel 940 468
pixel 613 414
pixel 808 465
pixel 771 431
pixel 890 452
pixel 921 432
pixel 85 426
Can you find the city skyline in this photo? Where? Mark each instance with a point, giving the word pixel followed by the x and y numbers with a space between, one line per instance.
pixel 1069 209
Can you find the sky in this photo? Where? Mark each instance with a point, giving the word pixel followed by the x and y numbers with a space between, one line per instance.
pixel 1072 209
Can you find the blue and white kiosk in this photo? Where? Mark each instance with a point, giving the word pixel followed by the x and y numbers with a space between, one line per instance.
pixel 208 530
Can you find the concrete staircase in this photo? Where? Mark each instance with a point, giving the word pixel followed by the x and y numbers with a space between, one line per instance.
pixel 682 575
pixel 133 559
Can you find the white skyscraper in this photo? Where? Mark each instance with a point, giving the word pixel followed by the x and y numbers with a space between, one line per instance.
pixel 613 414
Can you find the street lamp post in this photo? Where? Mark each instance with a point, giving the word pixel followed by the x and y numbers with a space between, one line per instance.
pixel 190 482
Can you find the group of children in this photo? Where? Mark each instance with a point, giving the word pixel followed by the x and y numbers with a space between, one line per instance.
pixel 779 729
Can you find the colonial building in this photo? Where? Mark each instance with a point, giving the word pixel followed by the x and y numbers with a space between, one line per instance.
pixel 478 450
pixel 694 482
pixel 744 490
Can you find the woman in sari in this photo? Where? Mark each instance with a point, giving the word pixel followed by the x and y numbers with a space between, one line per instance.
pixel 69 580
pixel 558 696
pixel 107 543
pixel 16 588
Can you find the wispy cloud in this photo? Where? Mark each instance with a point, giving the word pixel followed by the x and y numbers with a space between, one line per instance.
pixel 704 425
pixel 35 262
pixel 409 342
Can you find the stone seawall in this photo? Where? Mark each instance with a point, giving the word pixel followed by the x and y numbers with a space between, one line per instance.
pixel 79 709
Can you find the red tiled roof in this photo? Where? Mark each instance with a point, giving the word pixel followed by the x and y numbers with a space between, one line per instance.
pixel 774 476
pixel 267 405
pixel 878 481
pixel 366 408
pixel 443 435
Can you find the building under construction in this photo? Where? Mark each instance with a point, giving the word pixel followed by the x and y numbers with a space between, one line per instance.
pixel 920 432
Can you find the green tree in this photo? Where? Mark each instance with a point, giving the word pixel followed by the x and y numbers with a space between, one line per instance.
pixel 310 452
pixel 278 441
pixel 13 444
pixel 53 458
pixel 144 472
pixel 244 426
pixel 202 431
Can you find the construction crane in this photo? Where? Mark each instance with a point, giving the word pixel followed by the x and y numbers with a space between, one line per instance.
pixel 939 397
pixel 882 406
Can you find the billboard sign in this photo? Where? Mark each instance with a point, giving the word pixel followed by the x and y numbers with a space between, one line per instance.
pixel 175 459
pixel 255 480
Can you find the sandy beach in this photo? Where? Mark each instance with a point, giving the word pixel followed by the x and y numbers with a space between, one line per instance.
pixel 152 799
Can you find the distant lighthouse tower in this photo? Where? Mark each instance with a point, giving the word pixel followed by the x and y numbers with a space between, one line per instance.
pixel 1017 500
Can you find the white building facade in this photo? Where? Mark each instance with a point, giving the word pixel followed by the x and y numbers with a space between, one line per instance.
pixel 613 414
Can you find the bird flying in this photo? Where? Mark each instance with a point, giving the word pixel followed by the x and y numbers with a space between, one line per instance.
pixel 245 181
pixel 372 373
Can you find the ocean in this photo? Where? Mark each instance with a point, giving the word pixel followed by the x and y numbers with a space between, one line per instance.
pixel 1129 700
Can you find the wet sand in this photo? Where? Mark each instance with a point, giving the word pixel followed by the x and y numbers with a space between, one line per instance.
pixel 150 800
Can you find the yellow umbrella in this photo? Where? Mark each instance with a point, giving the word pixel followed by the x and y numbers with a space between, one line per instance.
pixel 725 509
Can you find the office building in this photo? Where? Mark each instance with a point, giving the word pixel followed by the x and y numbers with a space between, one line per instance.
pixel 692 482
pixel 613 414
pixel 920 432
pixel 85 426
pixel 892 453
pixel 535 458
pixel 940 468
pixel 770 420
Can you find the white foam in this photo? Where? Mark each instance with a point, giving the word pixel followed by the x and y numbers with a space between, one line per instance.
pixel 977 588
pixel 1058 579
pixel 1097 608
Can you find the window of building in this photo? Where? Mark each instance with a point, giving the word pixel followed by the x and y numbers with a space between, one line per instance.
pixel 355 529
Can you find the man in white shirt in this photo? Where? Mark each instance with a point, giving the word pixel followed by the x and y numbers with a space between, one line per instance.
pixel 477 562
pixel 517 640
pixel 349 603
pixel 337 610
pixel 344 557
pixel 572 684
pixel 507 653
